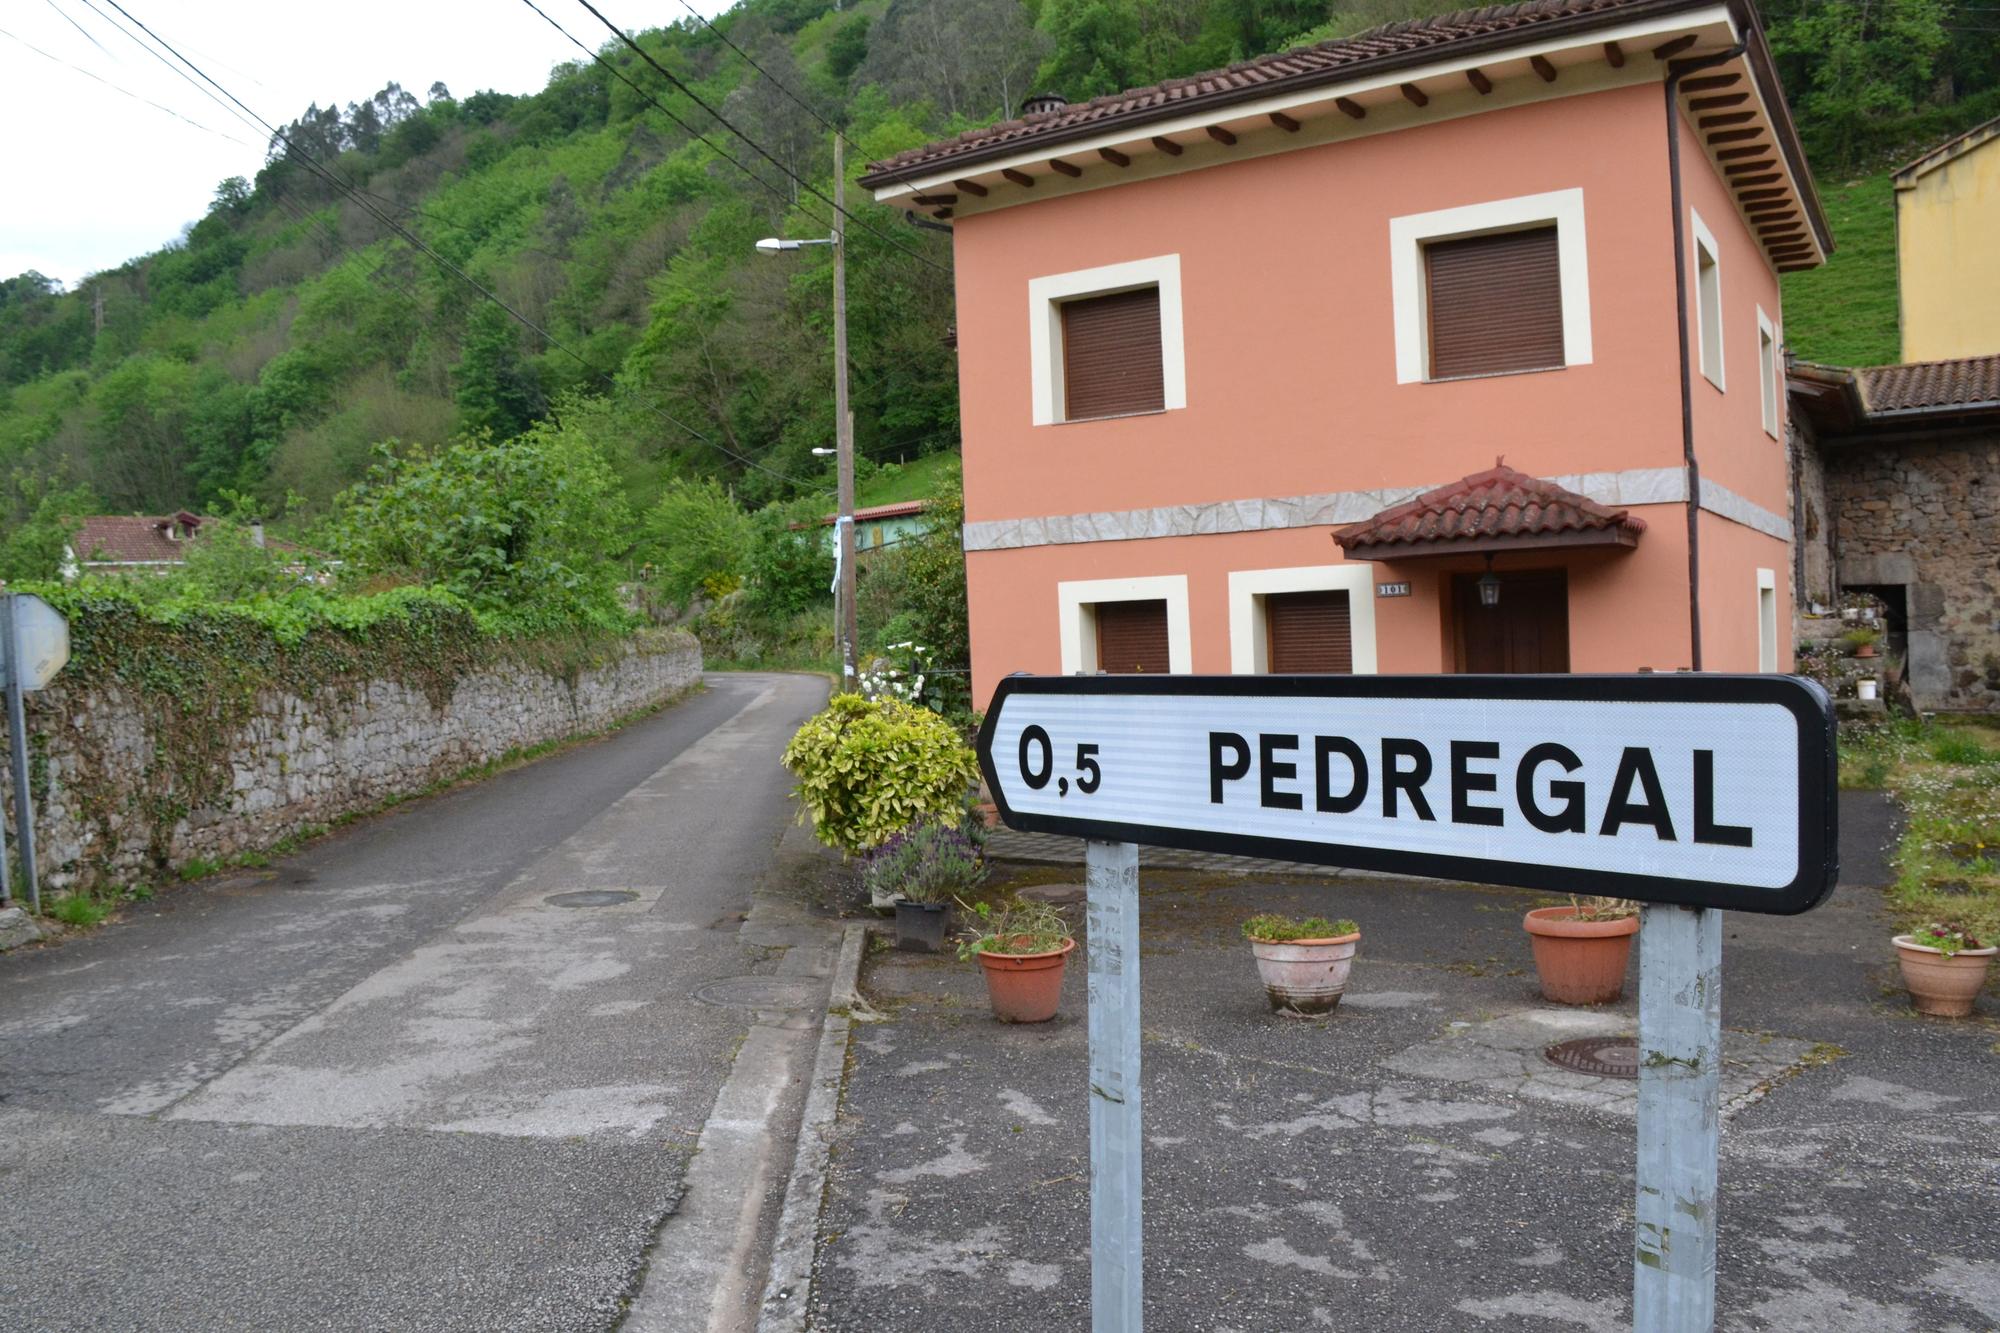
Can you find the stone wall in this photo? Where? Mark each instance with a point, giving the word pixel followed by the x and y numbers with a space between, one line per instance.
pixel 1812 523
pixel 299 764
pixel 1924 514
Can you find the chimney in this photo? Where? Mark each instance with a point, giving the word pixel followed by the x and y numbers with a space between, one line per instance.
pixel 1043 103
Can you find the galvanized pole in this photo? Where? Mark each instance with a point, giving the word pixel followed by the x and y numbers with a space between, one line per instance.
pixel 1117 1279
pixel 1680 1083
pixel 17 735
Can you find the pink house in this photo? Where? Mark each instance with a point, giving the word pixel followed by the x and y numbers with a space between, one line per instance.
pixel 1454 346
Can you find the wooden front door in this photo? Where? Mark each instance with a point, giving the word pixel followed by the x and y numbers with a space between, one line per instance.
pixel 1528 631
pixel 1132 638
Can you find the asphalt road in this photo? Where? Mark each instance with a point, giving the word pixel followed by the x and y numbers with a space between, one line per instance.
pixel 389 1083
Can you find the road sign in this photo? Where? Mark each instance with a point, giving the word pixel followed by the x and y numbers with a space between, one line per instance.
pixel 41 637
pixel 1699 790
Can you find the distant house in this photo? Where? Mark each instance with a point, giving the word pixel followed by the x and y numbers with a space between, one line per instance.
pixel 1898 496
pixel 1948 248
pixel 142 543
pixel 1238 352
pixel 883 525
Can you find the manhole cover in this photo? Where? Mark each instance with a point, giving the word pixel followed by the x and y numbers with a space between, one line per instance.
pixel 760 993
pixel 591 898
pixel 1604 1057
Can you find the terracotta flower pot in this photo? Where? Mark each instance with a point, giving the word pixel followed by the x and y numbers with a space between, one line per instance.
pixel 1025 987
pixel 1580 962
pixel 1303 978
pixel 1939 985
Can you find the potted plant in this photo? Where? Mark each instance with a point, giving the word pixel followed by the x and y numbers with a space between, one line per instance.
pixel 1944 968
pixel 1861 641
pixel 1303 963
pixel 919 871
pixel 1581 950
pixel 1023 949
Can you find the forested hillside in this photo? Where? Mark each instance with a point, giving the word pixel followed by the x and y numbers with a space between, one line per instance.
pixel 296 328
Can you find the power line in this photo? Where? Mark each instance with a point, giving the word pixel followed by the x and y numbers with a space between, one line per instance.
pixel 664 110
pixel 419 244
pixel 124 92
pixel 803 104
pixel 722 120
pixel 88 36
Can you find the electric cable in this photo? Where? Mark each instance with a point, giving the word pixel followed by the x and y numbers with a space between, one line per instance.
pixel 722 120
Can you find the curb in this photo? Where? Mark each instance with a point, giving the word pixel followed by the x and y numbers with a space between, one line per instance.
pixel 789 1280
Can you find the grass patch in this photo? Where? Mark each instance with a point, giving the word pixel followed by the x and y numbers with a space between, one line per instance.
pixel 1846 313
pixel 1947 779
pixel 77 909
pixel 897 482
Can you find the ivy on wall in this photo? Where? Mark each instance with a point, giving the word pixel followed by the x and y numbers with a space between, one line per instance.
pixel 194 674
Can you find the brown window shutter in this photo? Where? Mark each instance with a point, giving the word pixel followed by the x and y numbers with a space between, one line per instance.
pixel 1132 638
pixel 1495 303
pixel 1111 355
pixel 1310 632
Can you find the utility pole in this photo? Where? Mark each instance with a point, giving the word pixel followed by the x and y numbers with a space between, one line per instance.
pixel 843 425
pixel 97 311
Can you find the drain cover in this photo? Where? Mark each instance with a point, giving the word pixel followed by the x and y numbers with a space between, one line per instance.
pixel 760 993
pixel 591 898
pixel 1605 1057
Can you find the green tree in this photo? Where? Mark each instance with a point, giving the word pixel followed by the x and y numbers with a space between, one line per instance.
pixel 498 390
pixel 698 540
pixel 35 548
pixel 1855 68
pixel 531 530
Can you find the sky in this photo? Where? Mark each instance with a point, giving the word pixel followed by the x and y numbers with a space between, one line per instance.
pixel 96 177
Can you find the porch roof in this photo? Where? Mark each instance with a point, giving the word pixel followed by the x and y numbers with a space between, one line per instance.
pixel 1497 510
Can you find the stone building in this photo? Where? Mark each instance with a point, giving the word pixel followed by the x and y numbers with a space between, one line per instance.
pixel 1896 475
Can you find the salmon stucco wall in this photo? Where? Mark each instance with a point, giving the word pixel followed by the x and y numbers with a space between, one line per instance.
pixel 1291 385
pixel 1289 321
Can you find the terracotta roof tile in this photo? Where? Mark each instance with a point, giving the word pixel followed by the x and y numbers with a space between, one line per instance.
pixel 1407 40
pixel 1499 502
pixel 129 539
pixel 1971 381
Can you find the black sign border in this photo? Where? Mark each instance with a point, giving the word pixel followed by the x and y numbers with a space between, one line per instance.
pixel 1805 700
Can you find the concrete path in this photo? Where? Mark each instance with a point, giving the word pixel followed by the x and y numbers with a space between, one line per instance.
pixel 446 1070
pixel 1402 1165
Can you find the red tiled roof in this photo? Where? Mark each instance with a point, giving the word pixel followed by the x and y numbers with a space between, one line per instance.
pixel 132 538
pixel 1931 385
pixel 126 539
pixel 1497 504
pixel 1391 45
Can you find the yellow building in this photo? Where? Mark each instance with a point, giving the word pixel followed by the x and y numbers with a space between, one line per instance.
pixel 1948 248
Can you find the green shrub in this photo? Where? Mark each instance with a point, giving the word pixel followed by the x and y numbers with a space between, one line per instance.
pixel 868 769
pixel 696 541
pixel 1270 928
pixel 1954 749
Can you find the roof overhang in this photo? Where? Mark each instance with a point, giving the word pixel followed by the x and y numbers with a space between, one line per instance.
pixel 1620 537
pixel 1737 109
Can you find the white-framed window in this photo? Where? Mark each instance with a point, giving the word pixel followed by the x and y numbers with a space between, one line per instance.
pixel 1077 603
pixel 1047 353
pixel 1250 601
pixel 1768 372
pixel 1707 300
pixel 1409 237
pixel 1767 620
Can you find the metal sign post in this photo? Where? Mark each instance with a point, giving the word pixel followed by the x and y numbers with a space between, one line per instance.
pixel 34 645
pixel 1680 1103
pixel 1689 794
pixel 1111 887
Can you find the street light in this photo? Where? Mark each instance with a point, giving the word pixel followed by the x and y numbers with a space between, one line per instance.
pixel 843 421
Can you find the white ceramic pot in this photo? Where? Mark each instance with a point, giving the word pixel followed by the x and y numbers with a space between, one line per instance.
pixel 1867 687
pixel 1305 977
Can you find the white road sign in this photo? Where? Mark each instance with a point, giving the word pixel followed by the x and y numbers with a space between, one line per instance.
pixel 41 637
pixel 1702 790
